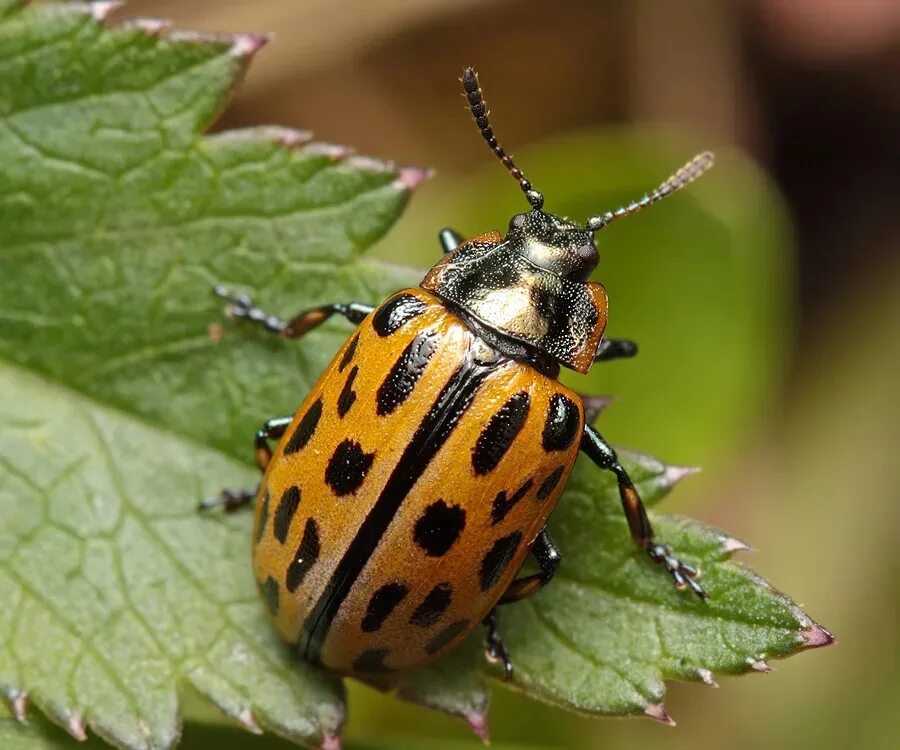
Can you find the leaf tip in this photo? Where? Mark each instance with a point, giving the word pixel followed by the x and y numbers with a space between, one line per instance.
pixel 74 725
pixel 246 720
pixel 478 723
pixel 330 742
pixel 706 677
pixel 247 45
pixel 409 178
pixel 149 26
pixel 594 405
pixel 18 704
pixel 731 544
pixel 758 665
pixel 103 8
pixel 658 712
pixel 816 636
pixel 674 474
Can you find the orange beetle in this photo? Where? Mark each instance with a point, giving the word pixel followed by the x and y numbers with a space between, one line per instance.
pixel 420 471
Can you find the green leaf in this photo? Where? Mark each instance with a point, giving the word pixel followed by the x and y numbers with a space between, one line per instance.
pixel 118 407
pixel 124 401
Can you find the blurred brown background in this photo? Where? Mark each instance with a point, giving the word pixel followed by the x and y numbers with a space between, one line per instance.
pixel 810 91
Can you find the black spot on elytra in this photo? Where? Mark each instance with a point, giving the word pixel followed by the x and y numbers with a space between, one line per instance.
pixel 348 467
pixel 444 638
pixel 502 506
pixel 349 353
pixel 269 593
pixel 348 395
pixel 498 435
pixel 284 513
pixel 395 312
pixel 403 376
pixel 549 484
pixel 306 556
pixel 305 429
pixel 497 559
pixel 382 604
pixel 432 606
pixel 562 422
pixel 263 517
pixel 439 527
pixel 372 661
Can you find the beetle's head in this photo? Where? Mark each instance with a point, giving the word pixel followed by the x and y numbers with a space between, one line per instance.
pixel 533 285
pixel 553 244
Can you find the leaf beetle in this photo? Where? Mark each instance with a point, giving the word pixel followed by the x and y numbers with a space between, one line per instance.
pixel 404 496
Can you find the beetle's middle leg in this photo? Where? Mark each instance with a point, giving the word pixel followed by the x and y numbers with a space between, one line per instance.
pixel 602 454
pixel 547 554
pixel 494 645
pixel 241 307
pixel 548 558
pixel 230 500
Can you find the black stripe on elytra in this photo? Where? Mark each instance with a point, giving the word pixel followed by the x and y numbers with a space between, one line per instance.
pixel 269 593
pixel 305 429
pixel 371 661
pixel 306 556
pixel 403 376
pixel 439 527
pixel 499 433
pixel 433 431
pixel 382 603
pixel 444 638
pixel 395 312
pixel 347 468
pixel 284 513
pixel 502 506
pixel 263 517
pixel 349 353
pixel 549 484
pixel 497 559
pixel 348 395
pixel 562 423
pixel 432 606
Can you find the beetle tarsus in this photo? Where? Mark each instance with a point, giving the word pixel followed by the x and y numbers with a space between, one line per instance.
pixel 683 574
pixel 228 500
pixel 495 647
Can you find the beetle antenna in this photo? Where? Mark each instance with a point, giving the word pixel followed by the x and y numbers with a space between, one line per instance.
pixel 479 111
pixel 684 176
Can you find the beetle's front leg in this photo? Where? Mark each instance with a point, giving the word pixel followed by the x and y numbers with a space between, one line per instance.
pixel 602 454
pixel 241 307
pixel 231 500
pixel 610 349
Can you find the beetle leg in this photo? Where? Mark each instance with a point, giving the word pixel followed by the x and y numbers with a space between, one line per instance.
pixel 273 429
pixel 241 307
pixel 602 454
pixel 450 239
pixel 548 558
pixel 495 647
pixel 615 349
pixel 228 500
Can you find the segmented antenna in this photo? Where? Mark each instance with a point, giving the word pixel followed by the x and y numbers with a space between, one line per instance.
pixel 684 176
pixel 480 113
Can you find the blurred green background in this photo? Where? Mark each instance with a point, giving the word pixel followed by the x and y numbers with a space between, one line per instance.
pixel 764 298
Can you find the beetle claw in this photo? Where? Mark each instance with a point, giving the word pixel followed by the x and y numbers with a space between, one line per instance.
pixel 683 574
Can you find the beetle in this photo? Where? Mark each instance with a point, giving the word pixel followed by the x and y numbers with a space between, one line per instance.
pixel 406 492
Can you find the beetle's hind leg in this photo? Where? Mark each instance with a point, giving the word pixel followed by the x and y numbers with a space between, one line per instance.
pixel 231 500
pixel 548 558
pixel 495 648
pixel 603 455
pixel 241 307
